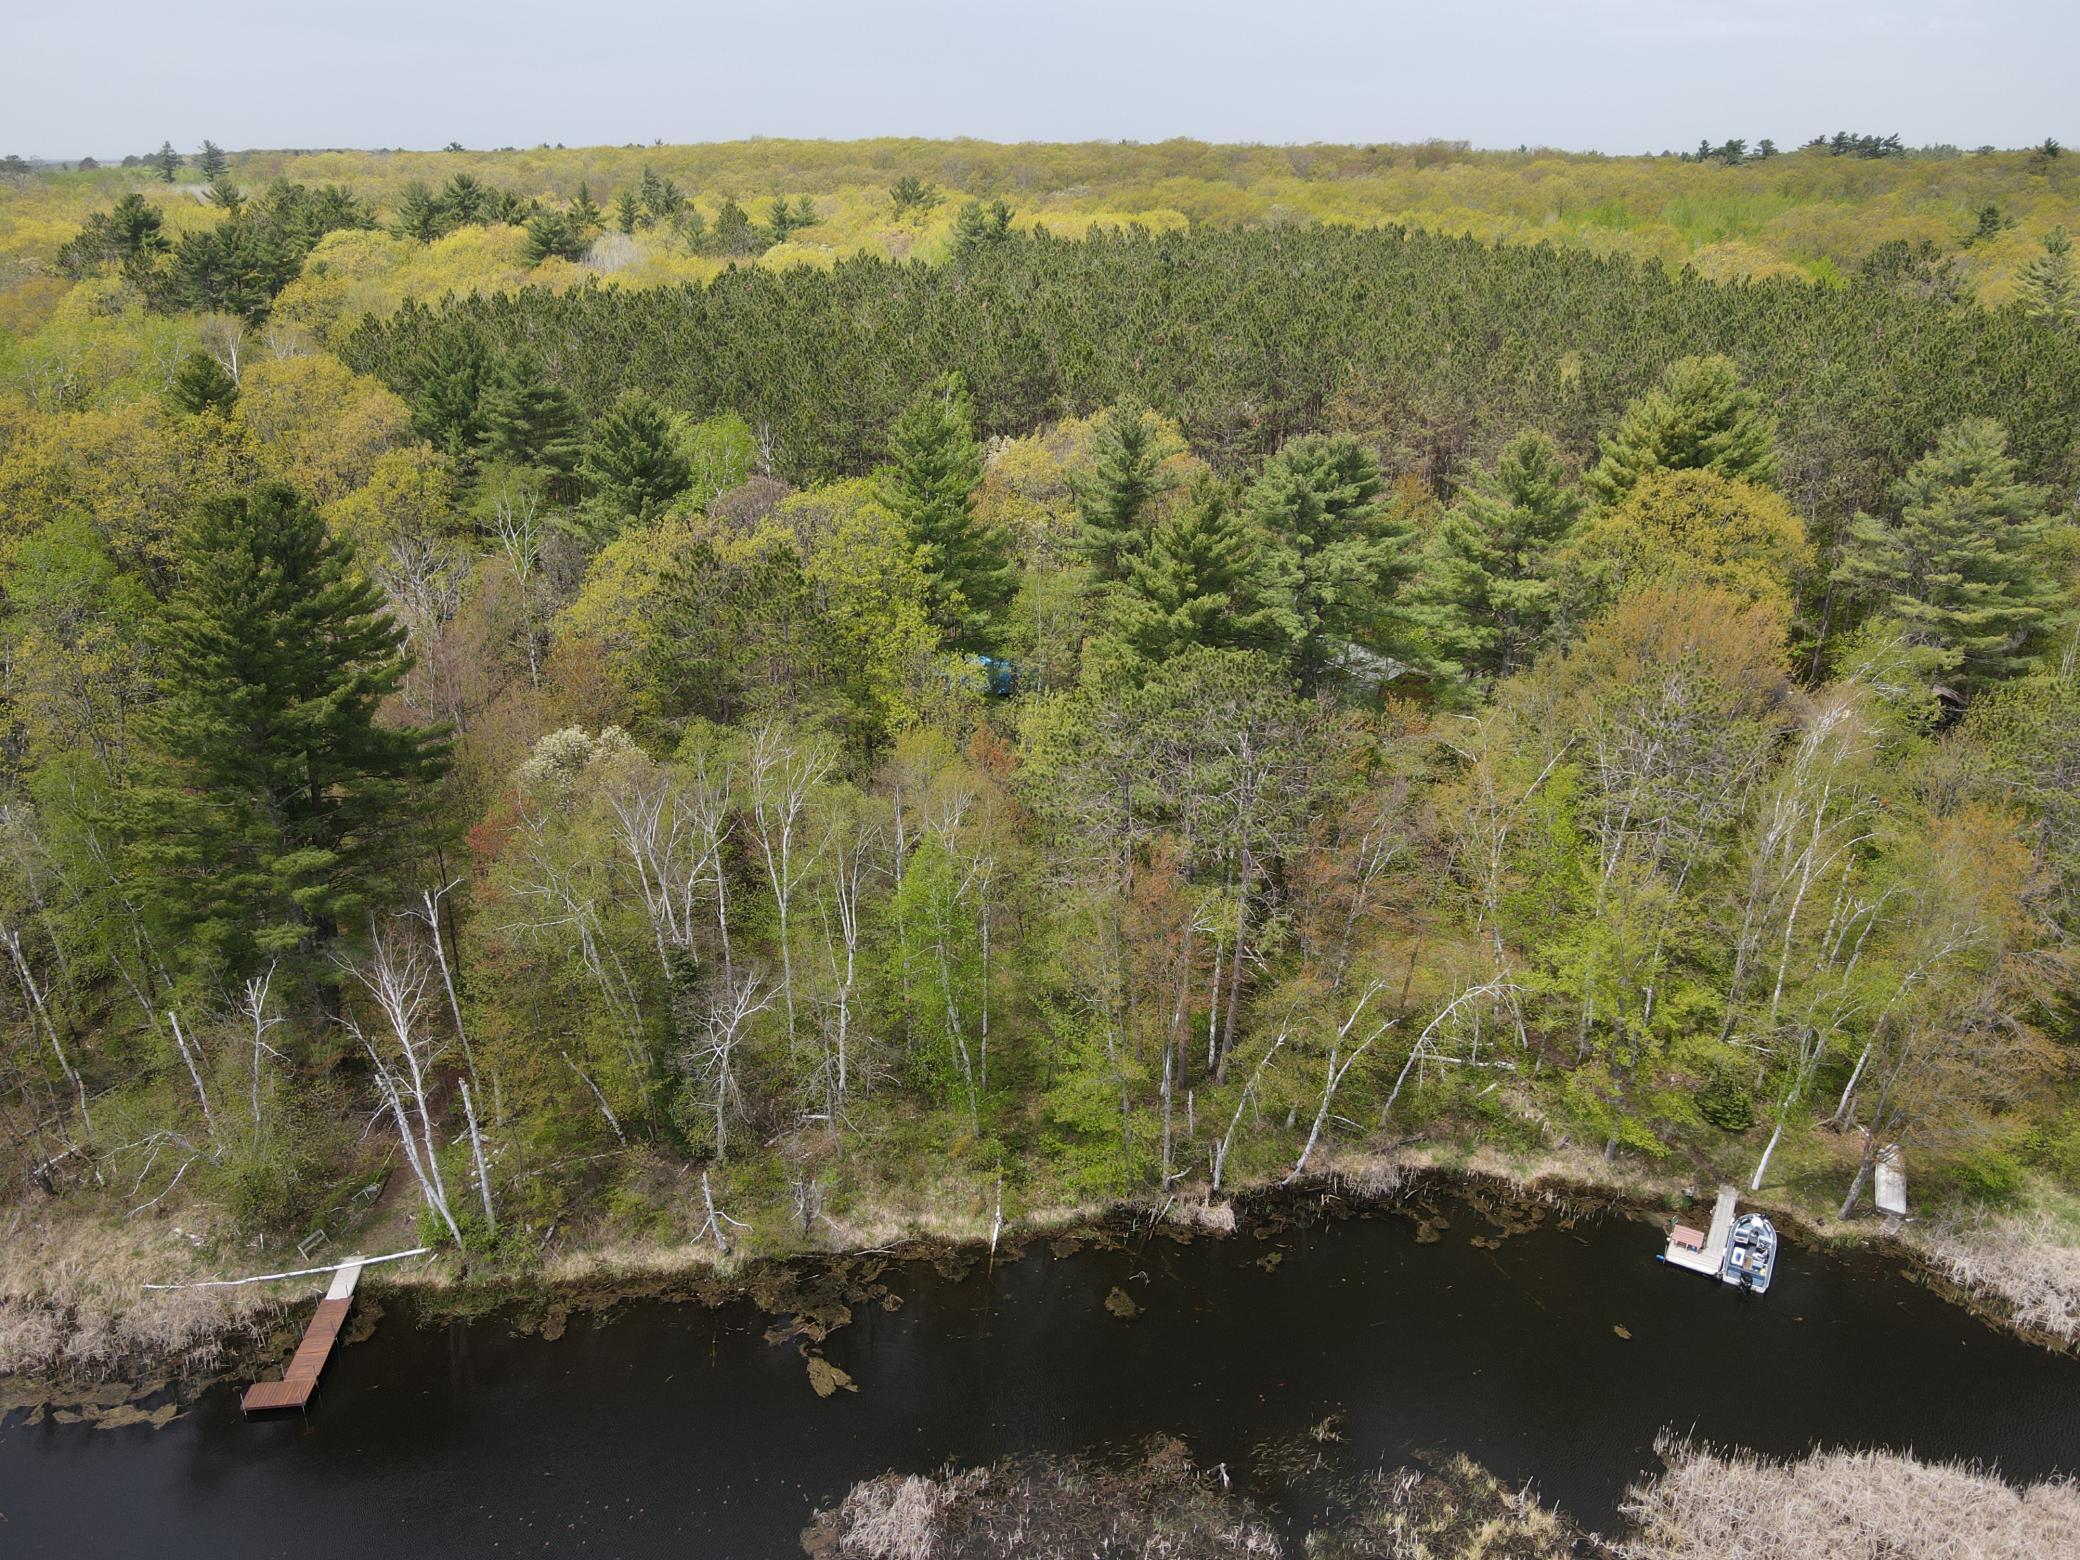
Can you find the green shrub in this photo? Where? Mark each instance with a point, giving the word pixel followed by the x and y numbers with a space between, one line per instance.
pixel 1724 1099
pixel 1990 1176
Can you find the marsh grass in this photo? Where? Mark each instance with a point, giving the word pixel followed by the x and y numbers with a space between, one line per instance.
pixel 73 1303
pixel 1844 1505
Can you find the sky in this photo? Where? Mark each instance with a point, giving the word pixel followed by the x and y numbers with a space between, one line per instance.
pixel 1604 75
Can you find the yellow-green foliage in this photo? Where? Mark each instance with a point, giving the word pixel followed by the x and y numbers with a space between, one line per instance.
pixel 1802 213
pixel 1695 528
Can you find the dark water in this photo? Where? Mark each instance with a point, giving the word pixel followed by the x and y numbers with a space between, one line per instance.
pixel 677 1431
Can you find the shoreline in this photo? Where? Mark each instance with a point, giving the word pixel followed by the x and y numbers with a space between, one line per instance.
pixel 810 1286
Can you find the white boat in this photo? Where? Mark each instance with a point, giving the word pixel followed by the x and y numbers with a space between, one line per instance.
pixel 1751 1253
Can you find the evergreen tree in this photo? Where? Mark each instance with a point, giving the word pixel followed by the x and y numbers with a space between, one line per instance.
pixel 269 791
pixel 585 214
pixel 130 234
pixel 910 193
pixel 632 464
pixel 200 384
pixel 1485 592
pixel 1334 553
pixel 213 163
pixel 226 196
pixel 735 232
pixel 528 419
pixel 2048 285
pixel 552 233
pixel 167 161
pixel 1961 564
pixel 628 213
pixel 934 468
pixel 419 215
pixel 1113 502
pixel 977 227
pixel 1699 417
pixel 1200 582
pixel 448 386
pixel 662 200
pixel 466 199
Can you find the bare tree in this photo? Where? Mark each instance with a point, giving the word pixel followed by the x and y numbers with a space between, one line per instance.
pixel 259 1023
pixel 34 993
pixel 396 978
pixel 1338 1070
pixel 740 996
pixel 430 912
pixel 780 776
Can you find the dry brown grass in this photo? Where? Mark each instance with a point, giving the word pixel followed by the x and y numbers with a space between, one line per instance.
pixel 1842 1506
pixel 73 1303
pixel 1162 1508
pixel 2025 1263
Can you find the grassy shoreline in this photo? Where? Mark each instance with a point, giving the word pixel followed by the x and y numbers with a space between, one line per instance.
pixel 77 1329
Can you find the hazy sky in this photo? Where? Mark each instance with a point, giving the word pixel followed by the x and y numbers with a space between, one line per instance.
pixel 1613 75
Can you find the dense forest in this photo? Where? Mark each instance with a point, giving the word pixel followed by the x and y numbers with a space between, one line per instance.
pixel 794 752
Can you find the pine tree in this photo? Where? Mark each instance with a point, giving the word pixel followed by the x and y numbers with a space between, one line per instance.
pixel 167 161
pixel 735 232
pixel 934 468
pixel 2048 285
pixel 226 196
pixel 269 790
pixel 910 193
pixel 585 214
pixel 1961 565
pixel 1200 582
pixel 628 212
pixel 632 464
pixel 419 215
pixel 1485 592
pixel 201 384
pixel 528 419
pixel 213 163
pixel 448 379
pixel 1113 503
pixel 1699 417
pixel 1335 554
pixel 552 233
pixel 466 199
pixel 977 227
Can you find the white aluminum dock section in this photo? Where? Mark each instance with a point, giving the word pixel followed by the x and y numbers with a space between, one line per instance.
pixel 1705 1254
pixel 343 1281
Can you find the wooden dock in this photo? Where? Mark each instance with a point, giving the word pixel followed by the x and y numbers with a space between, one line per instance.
pixel 1704 1253
pixel 301 1379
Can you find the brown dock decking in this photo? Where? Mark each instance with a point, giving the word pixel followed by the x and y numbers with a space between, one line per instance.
pixel 301 1379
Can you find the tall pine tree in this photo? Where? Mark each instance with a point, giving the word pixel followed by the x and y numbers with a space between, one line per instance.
pixel 1114 503
pixel 419 214
pixel 934 468
pixel 586 216
pixel 201 384
pixel 270 795
pixel 213 163
pixel 632 464
pixel 1335 553
pixel 1961 564
pixel 448 377
pixel 1700 417
pixel 1485 592
pixel 528 419
pixel 1200 582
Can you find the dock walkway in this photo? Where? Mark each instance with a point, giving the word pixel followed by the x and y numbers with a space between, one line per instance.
pixel 1706 1253
pixel 301 1379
